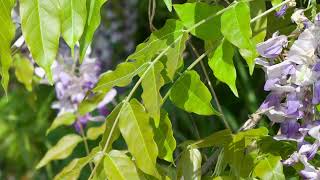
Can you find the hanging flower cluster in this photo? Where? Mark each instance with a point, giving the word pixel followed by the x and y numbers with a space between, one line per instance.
pixel 293 80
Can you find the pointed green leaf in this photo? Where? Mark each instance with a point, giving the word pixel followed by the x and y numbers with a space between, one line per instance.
pixel 190 94
pixel 220 139
pixel 121 76
pixel 135 128
pixel 93 22
pixel 189 165
pixel 73 169
pixel 61 150
pixel 168 4
pixel 118 166
pixel 40 25
pixel 221 63
pixel 151 96
pixel 192 13
pixel 7 32
pixel 23 70
pixel 65 119
pixel 270 168
pixel 73 14
pixel 164 138
pixel 235 26
pixel 94 132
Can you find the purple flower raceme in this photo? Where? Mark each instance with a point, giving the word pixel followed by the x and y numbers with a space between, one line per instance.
pixel 293 80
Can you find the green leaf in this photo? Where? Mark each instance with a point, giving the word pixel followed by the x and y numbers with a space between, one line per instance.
pixel 7 32
pixel 90 103
pixel 168 4
pixel 221 63
pixel 190 94
pixel 93 22
pixel 135 128
pixel 220 138
pixel 164 138
pixel 192 13
pixel 235 26
pixel 151 84
pixel 259 27
pixel 65 119
pixel 40 25
pixel 73 14
pixel 23 70
pixel 61 150
pixel 109 124
pixel 118 166
pixel 270 168
pixel 73 169
pixel 121 76
pixel 189 166
pixel 94 132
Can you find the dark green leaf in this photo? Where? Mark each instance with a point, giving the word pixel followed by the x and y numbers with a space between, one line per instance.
pixel 220 138
pixel 259 27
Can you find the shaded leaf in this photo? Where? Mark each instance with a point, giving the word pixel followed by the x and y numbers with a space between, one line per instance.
pixel 220 138
pixel 66 119
pixel 23 70
pixel 135 128
pixel 40 25
pixel 189 165
pixel 192 13
pixel 259 27
pixel 94 132
pixel 93 22
pixel 269 168
pixel 61 150
pixel 190 94
pixel 235 26
pixel 168 4
pixel 118 166
pixel 164 138
pixel 221 63
pixel 7 32
pixel 73 14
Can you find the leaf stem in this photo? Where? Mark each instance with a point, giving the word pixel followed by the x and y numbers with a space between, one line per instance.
pixel 85 142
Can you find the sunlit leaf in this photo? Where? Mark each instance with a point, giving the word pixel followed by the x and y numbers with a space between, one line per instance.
pixel 93 21
pixel 40 25
pixel 65 119
pixel 168 4
pixel 118 166
pixel 190 94
pixel 73 169
pixel 94 132
pixel 23 70
pixel 269 168
pixel 189 165
pixel 135 128
pixel 7 32
pixel 61 150
pixel 235 26
pixel 164 138
pixel 73 14
pixel 221 63
pixel 192 13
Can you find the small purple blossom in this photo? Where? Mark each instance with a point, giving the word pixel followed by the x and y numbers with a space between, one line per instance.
pixel 272 48
pixel 282 11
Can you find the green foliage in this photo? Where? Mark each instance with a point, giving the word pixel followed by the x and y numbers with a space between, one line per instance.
pixel 190 94
pixel 7 33
pixel 23 71
pixel 94 132
pixel 168 4
pixel 269 168
pixel 61 150
pixel 66 119
pixel 189 165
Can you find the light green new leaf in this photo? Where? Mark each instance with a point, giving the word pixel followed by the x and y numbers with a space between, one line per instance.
pixel 121 76
pixel 40 25
pixel 93 22
pixel 135 128
pixel 190 94
pixel 221 63
pixel 192 13
pixel 94 132
pixel 168 4
pixel 269 168
pixel 73 14
pixel 73 169
pixel 259 27
pixel 164 138
pixel 189 166
pixel 118 166
pixel 108 126
pixel 23 70
pixel 151 84
pixel 7 32
pixel 65 119
pixel 61 150
pixel 235 26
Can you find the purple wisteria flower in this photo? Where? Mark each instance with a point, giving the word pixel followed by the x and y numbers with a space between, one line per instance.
pixel 272 48
pixel 282 11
